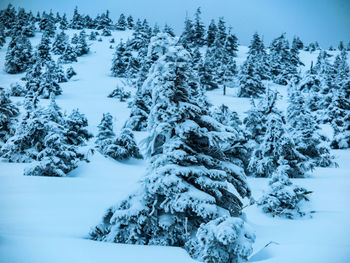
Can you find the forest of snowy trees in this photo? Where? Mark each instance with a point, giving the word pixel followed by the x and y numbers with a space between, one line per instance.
pixel 198 155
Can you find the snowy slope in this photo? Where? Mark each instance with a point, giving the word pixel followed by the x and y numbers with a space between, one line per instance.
pixel 44 220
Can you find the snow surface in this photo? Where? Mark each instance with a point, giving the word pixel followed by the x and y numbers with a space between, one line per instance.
pixel 47 220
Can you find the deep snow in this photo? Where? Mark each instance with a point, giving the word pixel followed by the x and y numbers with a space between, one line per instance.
pixel 44 220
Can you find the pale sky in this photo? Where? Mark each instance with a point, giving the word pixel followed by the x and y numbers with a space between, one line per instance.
pixel 327 21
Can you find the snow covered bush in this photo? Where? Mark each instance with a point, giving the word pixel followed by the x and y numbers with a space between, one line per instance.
pixel 225 239
pixel 17 90
pixel 120 94
pixel 122 147
pixel 283 199
pixel 56 159
pixel 19 55
pixel 189 177
pixel 76 132
pixel 277 143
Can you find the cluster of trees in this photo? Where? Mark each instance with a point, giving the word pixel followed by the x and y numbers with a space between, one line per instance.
pixel 44 136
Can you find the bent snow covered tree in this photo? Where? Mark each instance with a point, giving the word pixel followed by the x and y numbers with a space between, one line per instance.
pixel 191 181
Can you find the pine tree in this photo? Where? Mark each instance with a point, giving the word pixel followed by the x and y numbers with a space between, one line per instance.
pixel 82 47
pixel 283 69
pixel 140 107
pixel 47 25
pixel 76 132
pixel 187 36
pixel 19 55
pixel 42 53
pixel 8 113
pixel 187 182
pixel 168 29
pixel 211 33
pixel 120 61
pixel 339 116
pixel 68 56
pixel 30 133
pixel 283 199
pixel 77 20
pixel 75 39
pixel 122 147
pixel 198 29
pixel 120 94
pixel 60 43
pixel 297 43
pixel 130 22
pixel 105 131
pixel 121 24
pixel 63 22
pixel 304 130
pixel 250 84
pixel 341 46
pixel 276 143
pixel 257 55
pixel 56 157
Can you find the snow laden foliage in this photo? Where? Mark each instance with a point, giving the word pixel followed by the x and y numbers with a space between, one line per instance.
pixel 43 79
pixel 277 143
pixel 225 239
pixel 19 55
pixel 76 132
pixel 140 107
pixel 305 132
pixel 283 65
pixel 8 113
pixel 250 84
pixel 60 43
pixel 283 198
pixel 40 137
pixel 120 94
pixel 17 90
pixel 189 175
pixel 70 72
pixel 119 147
pixel 81 47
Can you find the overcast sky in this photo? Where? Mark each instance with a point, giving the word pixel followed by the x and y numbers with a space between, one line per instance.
pixel 327 21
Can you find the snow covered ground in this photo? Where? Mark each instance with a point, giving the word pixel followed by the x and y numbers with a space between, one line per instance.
pixel 46 220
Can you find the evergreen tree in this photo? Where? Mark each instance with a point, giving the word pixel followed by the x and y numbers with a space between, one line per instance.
pixel 211 33
pixel 81 48
pixel 75 39
pixel 198 29
pixel 63 22
pixel 77 20
pixel 60 43
pixel 283 199
pixel 339 116
pixel 257 55
pixel 56 157
pixel 140 107
pixel 120 94
pixel 187 183
pixel 105 131
pixel 276 143
pixel 341 46
pixel 8 112
pixel 304 130
pixel 121 24
pixel 68 56
pixel 167 29
pixel 281 65
pixel 122 147
pixel 297 43
pixel 120 61
pixel 250 84
pixel 30 133
pixel 187 36
pixel 76 128
pixel 47 25
pixel 42 53
pixel 130 22
pixel 19 55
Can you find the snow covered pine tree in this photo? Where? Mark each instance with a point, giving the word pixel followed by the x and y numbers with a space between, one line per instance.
pixel 188 180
